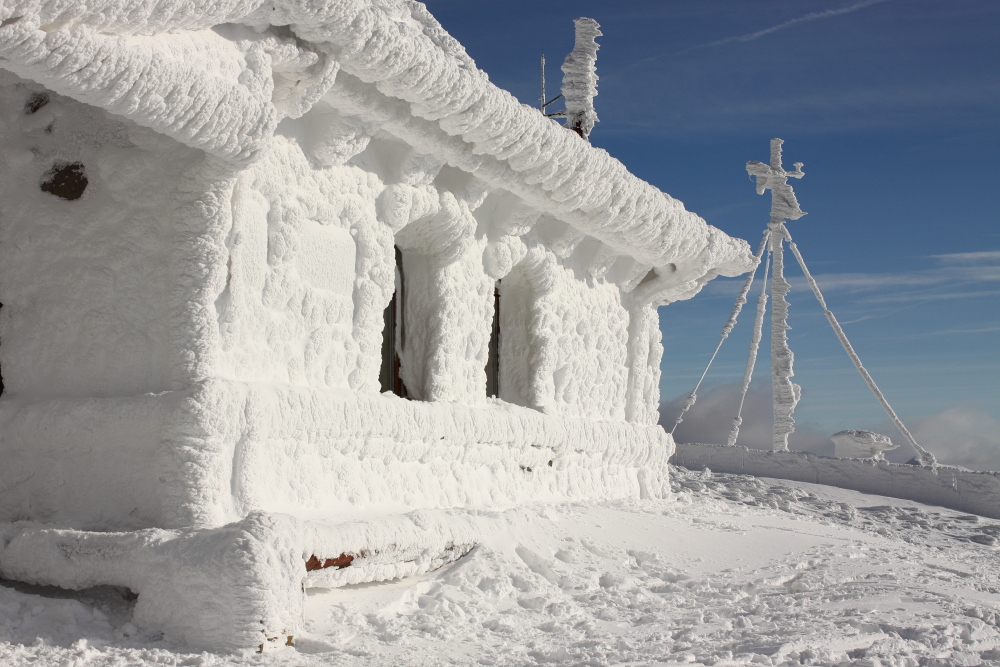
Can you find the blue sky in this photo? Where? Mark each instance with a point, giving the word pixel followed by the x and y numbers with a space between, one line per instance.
pixel 893 107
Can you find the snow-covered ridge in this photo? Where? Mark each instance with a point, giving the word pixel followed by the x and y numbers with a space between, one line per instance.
pixel 220 76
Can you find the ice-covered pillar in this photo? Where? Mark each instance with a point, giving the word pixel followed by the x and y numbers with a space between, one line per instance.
pixel 579 85
pixel 448 305
pixel 645 350
pixel 784 206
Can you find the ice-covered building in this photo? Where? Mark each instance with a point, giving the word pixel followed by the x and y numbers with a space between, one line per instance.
pixel 290 288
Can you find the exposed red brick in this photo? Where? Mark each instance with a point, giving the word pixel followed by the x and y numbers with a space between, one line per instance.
pixel 340 562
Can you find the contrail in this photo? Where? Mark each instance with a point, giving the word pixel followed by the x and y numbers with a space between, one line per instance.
pixel 813 16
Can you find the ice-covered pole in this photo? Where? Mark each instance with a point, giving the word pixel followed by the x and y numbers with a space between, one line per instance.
pixel 784 206
pixel 741 300
pixel 758 332
pixel 579 84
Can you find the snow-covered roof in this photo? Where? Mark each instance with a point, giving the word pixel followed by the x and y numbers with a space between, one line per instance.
pixel 220 74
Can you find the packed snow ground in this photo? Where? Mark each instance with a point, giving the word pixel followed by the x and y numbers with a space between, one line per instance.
pixel 734 570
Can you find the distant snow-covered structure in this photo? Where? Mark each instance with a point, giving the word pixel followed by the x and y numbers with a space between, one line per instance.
pixel 855 444
pixel 288 286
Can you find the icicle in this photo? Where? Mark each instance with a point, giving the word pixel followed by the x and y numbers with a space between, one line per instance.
pixel 726 330
pixel 925 457
pixel 758 332
pixel 579 85
pixel 785 392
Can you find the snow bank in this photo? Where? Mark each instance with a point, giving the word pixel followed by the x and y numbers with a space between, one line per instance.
pixel 732 570
pixel 963 490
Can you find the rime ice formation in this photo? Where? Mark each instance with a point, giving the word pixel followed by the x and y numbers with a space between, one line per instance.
pixel 579 84
pixel 201 211
pixel 741 300
pixel 853 444
pixel 924 457
pixel 784 206
pixel 758 333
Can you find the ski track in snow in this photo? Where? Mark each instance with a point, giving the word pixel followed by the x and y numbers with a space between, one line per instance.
pixel 733 571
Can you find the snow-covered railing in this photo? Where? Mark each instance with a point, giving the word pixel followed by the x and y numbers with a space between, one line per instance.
pixel 956 488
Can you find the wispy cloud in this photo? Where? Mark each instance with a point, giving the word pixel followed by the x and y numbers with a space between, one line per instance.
pixel 932 296
pixel 963 436
pixel 991 256
pixel 806 18
pixel 712 416
pixel 952 276
pixel 949 332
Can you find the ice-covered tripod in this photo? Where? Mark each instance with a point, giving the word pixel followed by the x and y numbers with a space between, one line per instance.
pixel 786 394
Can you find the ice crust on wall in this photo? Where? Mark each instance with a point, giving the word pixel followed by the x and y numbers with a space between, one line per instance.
pixel 566 342
pixel 208 456
pixel 93 293
pixel 295 307
pixel 182 272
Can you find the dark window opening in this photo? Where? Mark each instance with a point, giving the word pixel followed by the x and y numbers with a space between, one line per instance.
pixel 393 332
pixel 493 357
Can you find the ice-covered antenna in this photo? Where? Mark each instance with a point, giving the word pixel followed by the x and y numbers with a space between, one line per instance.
pixel 542 103
pixel 579 84
pixel 773 177
pixel 784 206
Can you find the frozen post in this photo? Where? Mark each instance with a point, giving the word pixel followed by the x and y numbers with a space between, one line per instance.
pixel 579 85
pixel 783 206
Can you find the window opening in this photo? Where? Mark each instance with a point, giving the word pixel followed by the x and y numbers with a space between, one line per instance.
pixel 393 332
pixel 493 357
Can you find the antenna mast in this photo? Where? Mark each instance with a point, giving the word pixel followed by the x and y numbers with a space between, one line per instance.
pixel 541 100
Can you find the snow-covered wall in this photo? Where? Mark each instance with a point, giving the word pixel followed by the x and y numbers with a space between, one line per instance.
pixel 90 283
pixel 565 341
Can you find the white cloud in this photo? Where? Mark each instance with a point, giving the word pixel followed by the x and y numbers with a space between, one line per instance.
pixel 959 436
pixel 962 436
pixel 712 416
